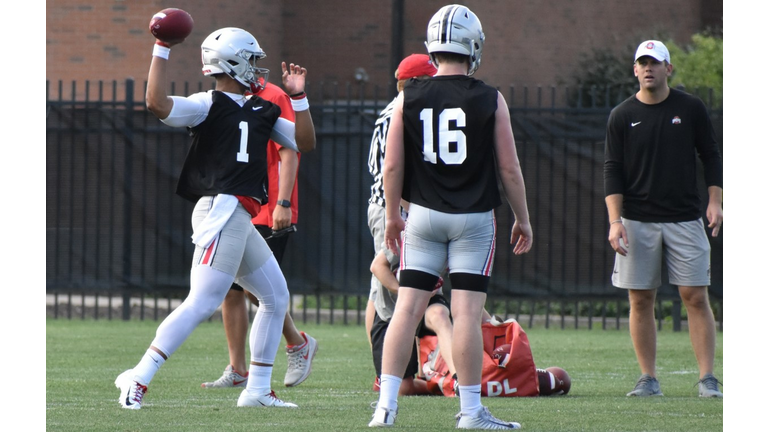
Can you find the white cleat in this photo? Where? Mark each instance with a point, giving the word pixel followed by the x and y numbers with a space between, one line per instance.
pixel 383 417
pixel 264 400
pixel 484 420
pixel 131 391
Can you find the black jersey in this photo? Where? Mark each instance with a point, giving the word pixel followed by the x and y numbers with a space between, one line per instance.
pixel 229 150
pixel 650 157
pixel 449 124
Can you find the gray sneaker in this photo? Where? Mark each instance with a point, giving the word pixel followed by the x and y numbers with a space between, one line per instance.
pixel 708 387
pixel 230 378
pixel 483 420
pixel 646 386
pixel 300 361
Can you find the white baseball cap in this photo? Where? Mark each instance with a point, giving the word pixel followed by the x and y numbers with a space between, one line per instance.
pixel 653 48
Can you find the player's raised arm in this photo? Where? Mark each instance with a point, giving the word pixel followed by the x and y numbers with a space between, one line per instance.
pixel 294 81
pixel 169 27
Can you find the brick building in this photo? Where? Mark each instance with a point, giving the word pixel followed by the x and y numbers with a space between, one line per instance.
pixel 528 42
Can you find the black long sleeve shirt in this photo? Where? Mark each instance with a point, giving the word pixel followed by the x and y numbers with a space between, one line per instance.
pixel 650 157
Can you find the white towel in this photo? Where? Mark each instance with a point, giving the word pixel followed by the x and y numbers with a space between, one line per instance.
pixel 220 212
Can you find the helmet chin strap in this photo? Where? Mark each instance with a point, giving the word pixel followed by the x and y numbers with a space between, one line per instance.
pixel 432 57
pixel 258 84
pixel 259 81
pixel 228 70
pixel 472 59
pixel 232 74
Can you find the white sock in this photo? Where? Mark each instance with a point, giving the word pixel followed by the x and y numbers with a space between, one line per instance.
pixel 148 366
pixel 390 387
pixel 259 379
pixel 470 399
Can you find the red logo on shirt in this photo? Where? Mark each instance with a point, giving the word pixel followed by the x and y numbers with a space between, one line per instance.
pixel 676 120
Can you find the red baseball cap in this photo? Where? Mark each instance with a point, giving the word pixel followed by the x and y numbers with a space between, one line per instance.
pixel 415 65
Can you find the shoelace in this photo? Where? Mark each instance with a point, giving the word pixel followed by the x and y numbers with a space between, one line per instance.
pixel 490 416
pixel 710 382
pixel 226 378
pixel 138 395
pixel 274 397
pixel 644 380
pixel 485 413
pixel 295 359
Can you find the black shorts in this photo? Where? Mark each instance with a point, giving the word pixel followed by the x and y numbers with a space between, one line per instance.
pixel 379 330
pixel 276 244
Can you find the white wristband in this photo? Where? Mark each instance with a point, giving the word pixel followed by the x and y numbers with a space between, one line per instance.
pixel 161 51
pixel 300 104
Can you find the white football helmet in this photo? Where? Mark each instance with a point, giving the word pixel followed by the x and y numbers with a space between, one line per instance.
pixel 456 29
pixel 234 51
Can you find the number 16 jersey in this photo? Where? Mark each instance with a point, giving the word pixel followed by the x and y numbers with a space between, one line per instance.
pixel 449 124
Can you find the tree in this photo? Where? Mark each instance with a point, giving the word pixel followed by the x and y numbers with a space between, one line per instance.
pixel 698 67
pixel 605 78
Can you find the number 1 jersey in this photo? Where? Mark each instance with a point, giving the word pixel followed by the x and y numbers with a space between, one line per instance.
pixel 229 150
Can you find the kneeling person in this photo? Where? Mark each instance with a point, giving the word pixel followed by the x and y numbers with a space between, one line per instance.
pixel 436 322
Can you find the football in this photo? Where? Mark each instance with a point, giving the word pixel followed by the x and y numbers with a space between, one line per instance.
pixel 553 381
pixel 171 25
pixel 501 355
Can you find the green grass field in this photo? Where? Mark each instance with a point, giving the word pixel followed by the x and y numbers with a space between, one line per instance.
pixel 84 357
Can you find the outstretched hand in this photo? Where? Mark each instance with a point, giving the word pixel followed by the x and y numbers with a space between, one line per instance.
pixel 294 78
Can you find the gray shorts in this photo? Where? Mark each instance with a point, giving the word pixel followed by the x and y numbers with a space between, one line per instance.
pixel 464 243
pixel 238 249
pixel 682 245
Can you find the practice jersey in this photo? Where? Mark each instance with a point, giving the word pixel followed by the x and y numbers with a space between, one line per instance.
pixel 376 154
pixel 449 124
pixel 229 150
pixel 276 95
pixel 650 157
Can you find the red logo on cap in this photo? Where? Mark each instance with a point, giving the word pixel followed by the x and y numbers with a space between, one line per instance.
pixel 649 45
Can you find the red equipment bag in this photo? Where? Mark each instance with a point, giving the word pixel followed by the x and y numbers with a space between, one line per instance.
pixel 511 375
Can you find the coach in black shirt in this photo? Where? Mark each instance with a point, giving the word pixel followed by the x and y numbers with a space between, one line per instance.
pixel 650 176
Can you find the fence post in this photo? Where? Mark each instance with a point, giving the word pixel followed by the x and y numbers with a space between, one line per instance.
pixel 128 160
pixel 676 316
